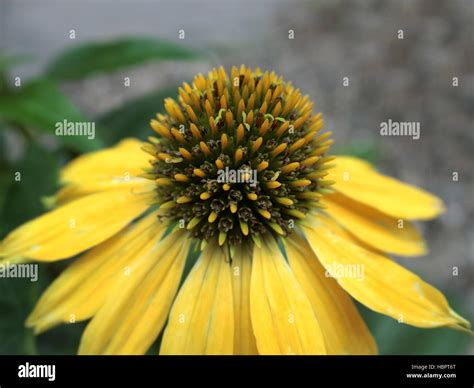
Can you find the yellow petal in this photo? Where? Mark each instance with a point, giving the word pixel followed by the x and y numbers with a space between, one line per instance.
pixel 138 304
pixel 373 227
pixel 75 191
pixel 380 283
pixel 75 227
pixel 81 289
pixel 202 318
pixel 244 339
pixel 343 328
pixel 282 317
pixel 126 159
pixel 360 181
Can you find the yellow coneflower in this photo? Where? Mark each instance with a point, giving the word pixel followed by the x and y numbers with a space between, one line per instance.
pixel 278 253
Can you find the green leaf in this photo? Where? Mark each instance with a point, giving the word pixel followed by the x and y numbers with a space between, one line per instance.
pixel 61 340
pixel 5 173
pixel 28 181
pixel 133 117
pixel 5 181
pixel 90 58
pixel 41 105
pixel 8 61
pixel 17 299
pixel 367 150
pixel 21 203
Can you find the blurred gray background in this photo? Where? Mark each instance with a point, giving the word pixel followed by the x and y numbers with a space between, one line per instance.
pixel 405 80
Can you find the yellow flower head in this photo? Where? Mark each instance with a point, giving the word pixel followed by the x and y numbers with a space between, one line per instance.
pixel 286 235
pixel 239 157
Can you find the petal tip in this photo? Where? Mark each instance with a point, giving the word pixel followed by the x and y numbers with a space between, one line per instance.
pixel 462 324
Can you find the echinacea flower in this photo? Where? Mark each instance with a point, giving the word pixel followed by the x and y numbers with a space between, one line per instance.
pixel 239 173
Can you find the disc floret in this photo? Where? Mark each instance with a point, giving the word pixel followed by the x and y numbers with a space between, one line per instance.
pixel 238 157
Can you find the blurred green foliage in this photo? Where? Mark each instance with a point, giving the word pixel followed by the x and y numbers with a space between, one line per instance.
pixel 31 111
pixel 401 339
pixel 92 58
pixel 366 149
pixel 40 104
pixel 133 114
pixel 39 177
pixel 28 113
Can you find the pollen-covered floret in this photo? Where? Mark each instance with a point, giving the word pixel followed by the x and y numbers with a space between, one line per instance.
pixel 238 157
